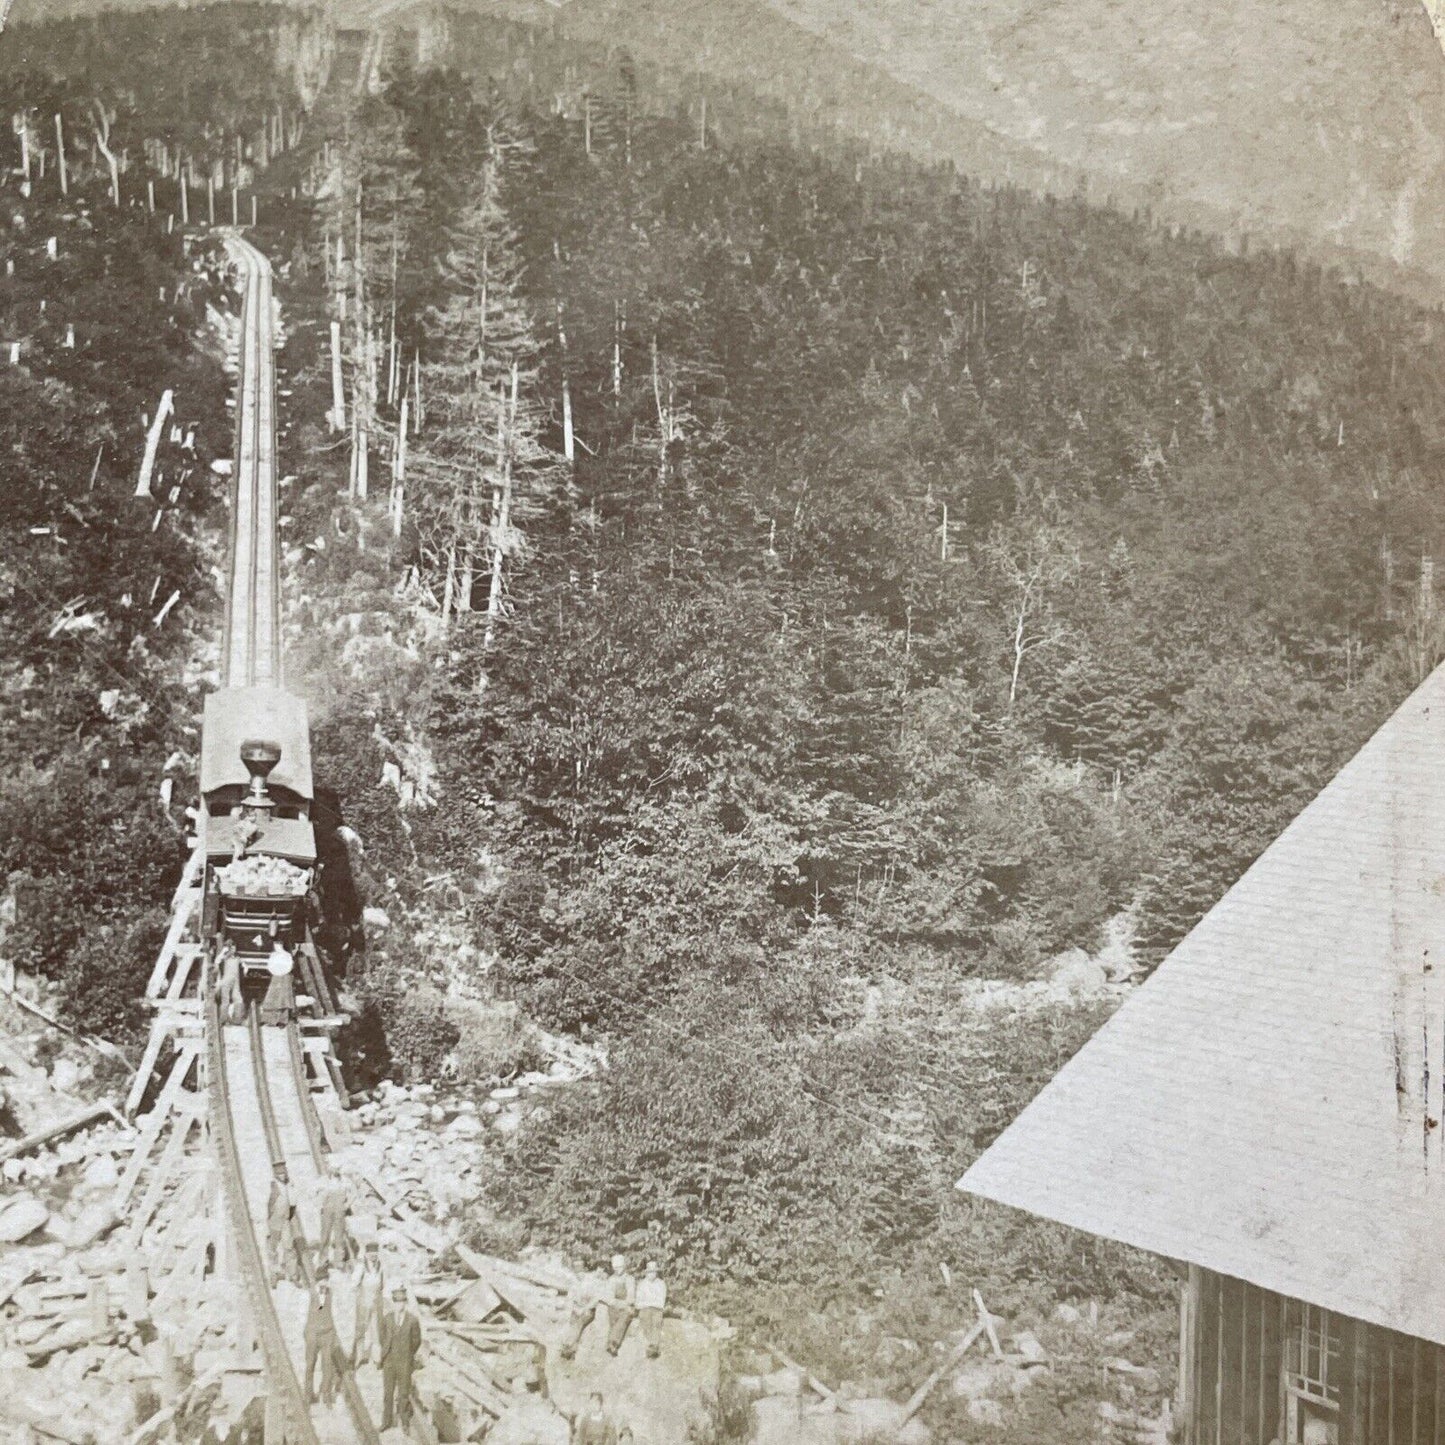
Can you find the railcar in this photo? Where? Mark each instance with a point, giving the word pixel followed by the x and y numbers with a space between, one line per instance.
pixel 260 844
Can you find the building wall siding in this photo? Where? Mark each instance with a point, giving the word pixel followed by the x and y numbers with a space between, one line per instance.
pixel 1391 1387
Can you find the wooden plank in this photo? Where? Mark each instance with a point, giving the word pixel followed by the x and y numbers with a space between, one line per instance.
pixel 481 1389
pixel 183 906
pixel 172 1088
pixel 1414 1392
pixel 544 1279
pixel 91 1114
pixel 813 1382
pixel 186 956
pixel 1230 1393
pixel 149 1059
pixel 1439 1396
pixel 170 1158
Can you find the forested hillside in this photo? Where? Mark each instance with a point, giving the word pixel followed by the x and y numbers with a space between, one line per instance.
pixel 819 591
pixel 108 599
pixel 820 584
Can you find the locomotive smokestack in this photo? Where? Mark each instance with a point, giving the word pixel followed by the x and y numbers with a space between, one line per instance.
pixel 260 758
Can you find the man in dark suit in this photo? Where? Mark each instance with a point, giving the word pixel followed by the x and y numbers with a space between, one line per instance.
pixel 400 1341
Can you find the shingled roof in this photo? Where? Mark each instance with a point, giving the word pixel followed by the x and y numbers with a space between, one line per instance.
pixel 1267 1104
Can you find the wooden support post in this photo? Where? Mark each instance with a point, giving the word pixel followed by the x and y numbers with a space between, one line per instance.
pixel 151 194
pixel 185 1057
pixel 165 1170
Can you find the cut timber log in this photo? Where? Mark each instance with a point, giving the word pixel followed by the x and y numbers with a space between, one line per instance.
pixel 423 1235
pixel 91 1115
pixel 921 1394
pixel 101 1046
pixel 483 1265
pixel 986 1320
pixel 814 1383
pixel 470 1381
pixel 153 441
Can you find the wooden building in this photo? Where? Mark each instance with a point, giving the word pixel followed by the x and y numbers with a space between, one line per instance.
pixel 1266 1110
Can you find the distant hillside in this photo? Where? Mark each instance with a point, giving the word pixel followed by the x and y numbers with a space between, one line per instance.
pixel 1319 123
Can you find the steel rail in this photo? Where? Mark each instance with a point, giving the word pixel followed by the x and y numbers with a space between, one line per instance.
pixel 254 1275
pixel 251 638
pixel 356 1406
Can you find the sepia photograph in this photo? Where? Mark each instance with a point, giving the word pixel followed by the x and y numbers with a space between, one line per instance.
pixel 722 722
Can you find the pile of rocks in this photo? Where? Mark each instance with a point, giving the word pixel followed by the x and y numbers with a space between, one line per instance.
pixel 423 1148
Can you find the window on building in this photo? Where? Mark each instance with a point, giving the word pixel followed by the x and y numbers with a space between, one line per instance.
pixel 1312 1375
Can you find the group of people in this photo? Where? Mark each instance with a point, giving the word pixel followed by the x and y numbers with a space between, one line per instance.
pixel 620 1299
pixel 279 1002
pixel 386 1329
pixel 593 1425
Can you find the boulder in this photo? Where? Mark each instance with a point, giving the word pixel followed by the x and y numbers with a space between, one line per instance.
pixel 986 1412
pixel 776 1420
pixel 1075 973
pixel 101 1173
pixel 782 1382
pixel 1026 1343
pixel 377 918
pixel 92 1222
pixel 21 1217
pixel 874 1419
pixel 987 1380
pixel 465 1126
pixel 65 1075
pixel 1067 1314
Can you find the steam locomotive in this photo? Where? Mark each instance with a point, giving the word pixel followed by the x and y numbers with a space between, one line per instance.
pixel 255 823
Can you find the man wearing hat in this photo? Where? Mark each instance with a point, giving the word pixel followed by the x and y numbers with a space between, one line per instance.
pixel 322 1343
pixel 281 1228
pixel 400 1341
pixel 651 1301
pixel 369 1286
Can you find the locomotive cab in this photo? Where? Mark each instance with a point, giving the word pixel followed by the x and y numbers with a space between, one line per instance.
pixel 259 842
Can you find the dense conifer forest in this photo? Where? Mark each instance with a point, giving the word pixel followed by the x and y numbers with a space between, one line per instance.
pixel 823 589
pixel 944 578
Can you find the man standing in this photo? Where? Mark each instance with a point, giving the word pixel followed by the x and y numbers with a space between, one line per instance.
pixel 322 1343
pixel 281 1229
pixel 400 1341
pixel 332 1244
pixel 621 1294
pixel 228 986
pixel 651 1301
pixel 369 1294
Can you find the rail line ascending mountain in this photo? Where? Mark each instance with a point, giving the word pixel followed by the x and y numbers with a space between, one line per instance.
pixel 261 1108
pixel 251 651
